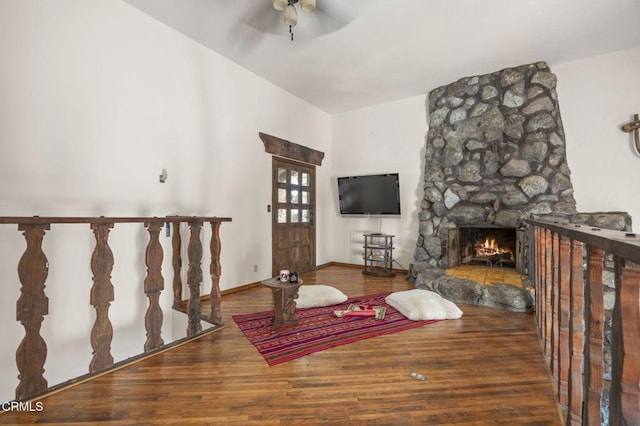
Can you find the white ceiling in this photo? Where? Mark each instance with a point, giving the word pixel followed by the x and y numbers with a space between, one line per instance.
pixel 354 53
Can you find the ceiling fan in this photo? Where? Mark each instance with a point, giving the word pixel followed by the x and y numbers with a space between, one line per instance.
pixel 290 11
pixel 322 17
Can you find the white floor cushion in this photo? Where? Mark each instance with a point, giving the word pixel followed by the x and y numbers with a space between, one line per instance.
pixel 316 295
pixel 420 305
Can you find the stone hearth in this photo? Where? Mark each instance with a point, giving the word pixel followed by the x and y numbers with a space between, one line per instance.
pixel 463 290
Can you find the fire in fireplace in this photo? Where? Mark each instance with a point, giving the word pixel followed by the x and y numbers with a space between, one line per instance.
pixel 492 253
pixel 490 246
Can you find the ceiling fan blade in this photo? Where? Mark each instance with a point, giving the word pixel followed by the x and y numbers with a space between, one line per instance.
pixel 329 16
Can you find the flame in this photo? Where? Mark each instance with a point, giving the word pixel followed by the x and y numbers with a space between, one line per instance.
pixel 490 244
pixel 489 247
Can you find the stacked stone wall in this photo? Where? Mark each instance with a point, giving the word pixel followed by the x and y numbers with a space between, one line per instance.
pixel 495 155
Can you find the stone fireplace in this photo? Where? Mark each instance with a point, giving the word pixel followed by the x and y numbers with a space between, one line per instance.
pixel 495 156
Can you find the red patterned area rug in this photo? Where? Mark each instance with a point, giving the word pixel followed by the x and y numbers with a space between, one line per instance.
pixel 319 329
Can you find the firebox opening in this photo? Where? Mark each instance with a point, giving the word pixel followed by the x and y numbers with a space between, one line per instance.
pixel 495 247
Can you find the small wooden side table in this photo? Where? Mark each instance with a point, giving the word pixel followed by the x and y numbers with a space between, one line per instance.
pixel 284 301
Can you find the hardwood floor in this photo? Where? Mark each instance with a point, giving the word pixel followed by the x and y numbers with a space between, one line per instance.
pixel 484 369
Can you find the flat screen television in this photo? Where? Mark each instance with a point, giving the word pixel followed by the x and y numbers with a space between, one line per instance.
pixel 369 195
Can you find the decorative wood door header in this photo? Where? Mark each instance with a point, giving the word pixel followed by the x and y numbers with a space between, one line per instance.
pixel 284 148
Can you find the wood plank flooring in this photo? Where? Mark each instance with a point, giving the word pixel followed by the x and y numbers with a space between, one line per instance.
pixel 484 369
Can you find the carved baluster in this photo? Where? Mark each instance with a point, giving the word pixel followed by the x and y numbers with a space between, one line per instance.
pixel 537 263
pixel 215 270
pixel 595 331
pixel 625 381
pixel 541 291
pixel 153 286
pixel 576 385
pixel 176 244
pixel 555 306
pixel 541 295
pixel 548 280
pixel 101 297
pixel 194 279
pixel 32 306
pixel 564 319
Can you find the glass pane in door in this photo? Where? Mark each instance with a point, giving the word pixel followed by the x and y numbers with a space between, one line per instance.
pixel 282 215
pixel 282 195
pixel 282 175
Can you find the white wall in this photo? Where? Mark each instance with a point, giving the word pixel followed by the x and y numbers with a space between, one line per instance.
pixel 597 95
pixel 380 139
pixel 96 98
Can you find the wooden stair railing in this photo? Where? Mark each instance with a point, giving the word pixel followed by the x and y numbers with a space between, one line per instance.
pixel 192 306
pixel 33 304
pixel 568 265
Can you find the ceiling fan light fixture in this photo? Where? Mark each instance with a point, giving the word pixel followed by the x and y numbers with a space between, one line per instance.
pixel 308 5
pixel 291 16
pixel 280 5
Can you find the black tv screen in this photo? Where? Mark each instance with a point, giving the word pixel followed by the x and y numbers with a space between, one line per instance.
pixel 369 194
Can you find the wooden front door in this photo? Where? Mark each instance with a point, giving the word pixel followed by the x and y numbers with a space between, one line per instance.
pixel 293 226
